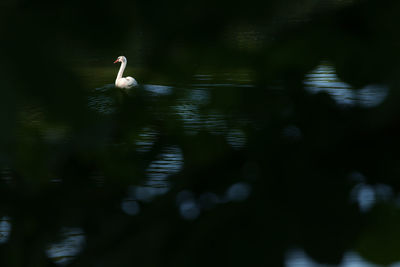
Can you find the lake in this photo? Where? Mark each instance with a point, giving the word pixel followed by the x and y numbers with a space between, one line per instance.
pixel 261 134
pixel 189 105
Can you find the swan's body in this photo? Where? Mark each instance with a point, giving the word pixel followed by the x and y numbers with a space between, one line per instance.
pixel 124 82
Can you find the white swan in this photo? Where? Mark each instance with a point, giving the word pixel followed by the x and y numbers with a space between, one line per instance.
pixel 126 82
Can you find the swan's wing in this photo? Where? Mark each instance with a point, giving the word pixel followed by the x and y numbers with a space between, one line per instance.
pixel 131 81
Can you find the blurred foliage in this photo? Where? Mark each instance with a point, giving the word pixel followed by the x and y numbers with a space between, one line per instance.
pixel 65 165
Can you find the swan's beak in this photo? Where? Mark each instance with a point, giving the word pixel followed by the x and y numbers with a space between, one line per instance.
pixel 115 61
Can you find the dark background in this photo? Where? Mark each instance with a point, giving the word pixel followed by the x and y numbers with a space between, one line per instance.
pixel 301 187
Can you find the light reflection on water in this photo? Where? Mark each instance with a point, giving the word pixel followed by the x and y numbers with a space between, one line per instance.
pixel 72 243
pixel 189 109
pixel 366 196
pixel 145 139
pixel 190 206
pixel 324 79
pixel 236 138
pixel 298 258
pixel 5 229
pixel 169 162
pixel 158 89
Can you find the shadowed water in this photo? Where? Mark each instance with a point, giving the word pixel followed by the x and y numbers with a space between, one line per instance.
pixel 261 134
pixel 189 109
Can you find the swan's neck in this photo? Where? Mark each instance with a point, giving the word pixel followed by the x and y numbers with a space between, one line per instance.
pixel 121 70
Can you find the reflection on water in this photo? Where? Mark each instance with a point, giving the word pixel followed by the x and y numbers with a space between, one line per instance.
pixel 5 229
pixel 158 89
pixel 298 258
pixel 169 162
pixel 241 155
pixel 238 192
pixel 324 79
pixel 236 138
pixel 130 206
pixel 72 243
pixel 227 80
pixel 145 139
pixel 187 205
pixel 190 205
pixel 189 108
pixel 366 195
pixel 195 118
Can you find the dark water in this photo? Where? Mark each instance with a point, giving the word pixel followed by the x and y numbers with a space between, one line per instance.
pixel 188 108
pixel 261 134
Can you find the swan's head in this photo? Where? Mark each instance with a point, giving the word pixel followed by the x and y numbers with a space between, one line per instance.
pixel 120 59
